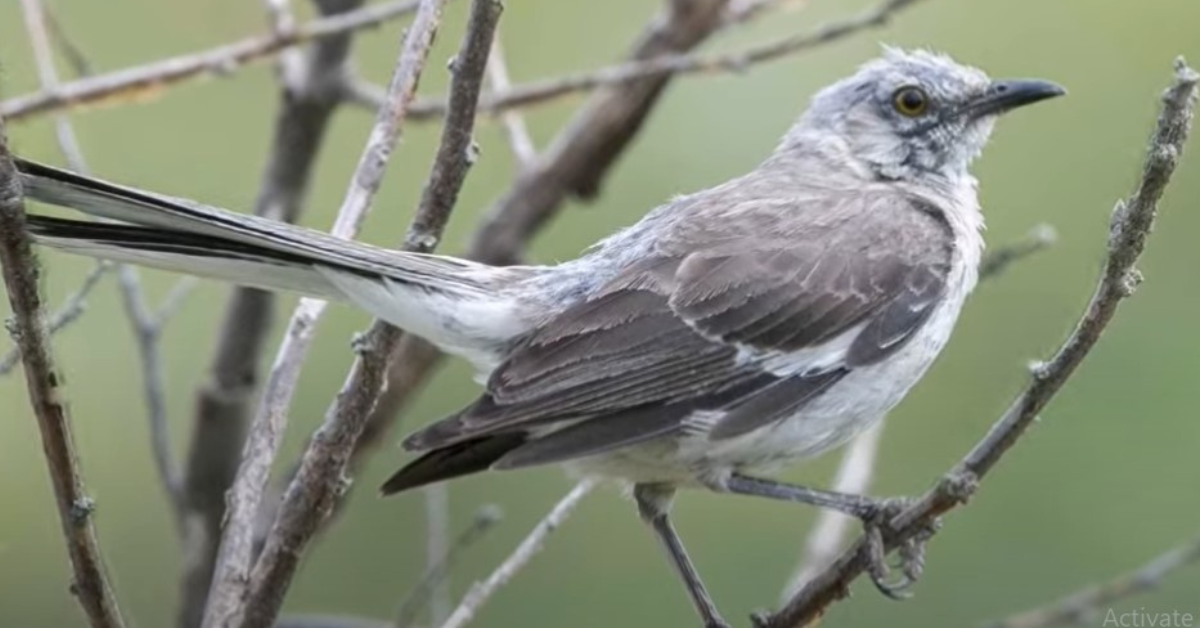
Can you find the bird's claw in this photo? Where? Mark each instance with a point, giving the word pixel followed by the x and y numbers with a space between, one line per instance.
pixel 911 552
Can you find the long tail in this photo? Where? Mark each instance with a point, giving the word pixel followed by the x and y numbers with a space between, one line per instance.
pixel 453 302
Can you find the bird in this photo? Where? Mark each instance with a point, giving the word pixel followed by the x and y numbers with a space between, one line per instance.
pixel 727 334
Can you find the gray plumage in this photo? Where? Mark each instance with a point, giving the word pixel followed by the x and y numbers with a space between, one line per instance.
pixel 743 325
pixel 755 323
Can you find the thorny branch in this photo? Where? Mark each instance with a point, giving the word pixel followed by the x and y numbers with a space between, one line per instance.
pixel 309 94
pixel 481 592
pixel 1130 225
pixel 320 480
pixel 1083 606
pixel 227 604
pixel 90 584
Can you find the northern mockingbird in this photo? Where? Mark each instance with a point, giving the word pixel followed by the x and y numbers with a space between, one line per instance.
pixel 729 332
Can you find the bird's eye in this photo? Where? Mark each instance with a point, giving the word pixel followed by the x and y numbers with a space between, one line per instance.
pixel 910 101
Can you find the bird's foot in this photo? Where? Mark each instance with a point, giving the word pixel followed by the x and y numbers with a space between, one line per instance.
pixel 911 552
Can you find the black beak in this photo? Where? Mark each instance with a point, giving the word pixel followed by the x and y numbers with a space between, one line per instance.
pixel 1007 95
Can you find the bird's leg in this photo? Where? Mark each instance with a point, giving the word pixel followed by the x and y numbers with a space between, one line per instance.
pixel 654 502
pixel 874 513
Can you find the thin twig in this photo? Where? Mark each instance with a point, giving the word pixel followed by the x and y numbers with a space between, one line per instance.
pixel 546 90
pixel 320 479
pixel 481 592
pixel 515 131
pixel 1083 606
pixel 438 571
pixel 170 304
pixel 308 95
pixel 1038 239
pixel 20 268
pixel 437 546
pixel 1129 228
pixel 73 54
pixel 144 81
pixel 740 11
pixel 70 311
pixel 39 39
pixel 147 329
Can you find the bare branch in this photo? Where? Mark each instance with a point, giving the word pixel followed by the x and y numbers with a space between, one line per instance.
pixel 73 54
pixel 309 94
pixel 1130 225
pixel 481 592
pixel 1038 239
pixel 1083 605
pixel 440 566
pixel 174 300
pixel 134 83
pixel 146 329
pixel 35 26
pixel 141 82
pixel 824 541
pixel 519 141
pixel 672 63
pixel 320 479
pixel 437 546
pixel 70 311
pixel 90 584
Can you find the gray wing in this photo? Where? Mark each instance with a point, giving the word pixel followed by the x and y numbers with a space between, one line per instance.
pixel 704 326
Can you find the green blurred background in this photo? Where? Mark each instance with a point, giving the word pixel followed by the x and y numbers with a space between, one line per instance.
pixel 1106 480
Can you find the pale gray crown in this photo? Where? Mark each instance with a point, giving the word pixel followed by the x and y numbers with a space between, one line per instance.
pixel 860 120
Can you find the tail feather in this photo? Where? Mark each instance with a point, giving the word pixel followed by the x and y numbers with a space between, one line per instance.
pixel 221 229
pixel 182 252
pixel 461 306
pixel 453 461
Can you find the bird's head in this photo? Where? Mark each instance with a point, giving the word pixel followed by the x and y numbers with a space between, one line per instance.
pixel 912 114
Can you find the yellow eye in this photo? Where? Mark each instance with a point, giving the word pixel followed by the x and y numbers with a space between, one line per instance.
pixel 910 101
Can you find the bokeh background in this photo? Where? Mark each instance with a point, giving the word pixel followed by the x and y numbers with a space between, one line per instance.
pixel 1106 480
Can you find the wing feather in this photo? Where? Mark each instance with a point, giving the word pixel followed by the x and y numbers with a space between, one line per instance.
pixel 694 329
